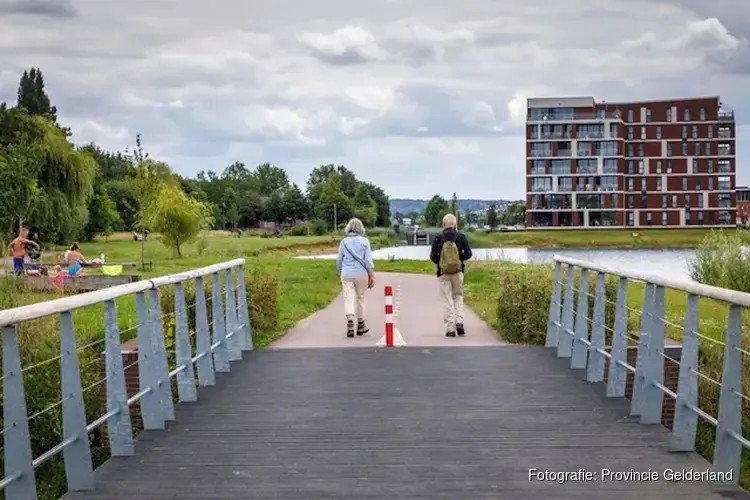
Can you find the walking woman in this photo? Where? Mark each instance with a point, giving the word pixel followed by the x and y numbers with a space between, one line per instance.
pixel 357 273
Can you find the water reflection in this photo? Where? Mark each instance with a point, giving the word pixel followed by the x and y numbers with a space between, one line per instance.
pixel 670 263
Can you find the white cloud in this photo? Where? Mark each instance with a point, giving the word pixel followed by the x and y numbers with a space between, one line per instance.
pixel 415 95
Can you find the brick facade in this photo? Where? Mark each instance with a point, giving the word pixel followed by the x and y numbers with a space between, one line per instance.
pixel 671 379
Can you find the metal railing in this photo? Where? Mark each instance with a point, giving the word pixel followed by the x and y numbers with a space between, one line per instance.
pixel 581 338
pixel 214 349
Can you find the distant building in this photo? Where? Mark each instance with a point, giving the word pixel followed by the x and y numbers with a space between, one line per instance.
pixel 664 163
pixel 743 204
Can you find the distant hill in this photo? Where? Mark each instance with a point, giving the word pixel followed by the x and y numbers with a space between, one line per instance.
pixel 406 205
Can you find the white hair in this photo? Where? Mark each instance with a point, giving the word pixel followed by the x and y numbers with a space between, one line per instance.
pixel 355 226
pixel 449 220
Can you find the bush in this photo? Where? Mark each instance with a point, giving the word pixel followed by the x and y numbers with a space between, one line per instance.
pixel 262 295
pixel 721 260
pixel 524 298
pixel 298 230
pixel 318 227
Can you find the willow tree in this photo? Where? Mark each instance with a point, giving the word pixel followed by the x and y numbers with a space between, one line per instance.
pixel 177 217
pixel 56 180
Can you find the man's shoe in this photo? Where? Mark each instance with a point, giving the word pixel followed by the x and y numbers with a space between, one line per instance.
pixel 460 330
pixel 362 328
pixel 450 334
pixel 350 328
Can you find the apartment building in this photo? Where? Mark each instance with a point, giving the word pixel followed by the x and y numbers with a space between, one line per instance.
pixel 664 163
pixel 743 205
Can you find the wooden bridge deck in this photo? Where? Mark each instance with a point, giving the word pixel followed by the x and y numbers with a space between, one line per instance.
pixel 409 423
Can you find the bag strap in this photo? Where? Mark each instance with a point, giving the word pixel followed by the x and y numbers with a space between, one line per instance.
pixel 361 263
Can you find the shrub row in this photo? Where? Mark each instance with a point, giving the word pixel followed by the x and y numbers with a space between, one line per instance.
pixel 40 342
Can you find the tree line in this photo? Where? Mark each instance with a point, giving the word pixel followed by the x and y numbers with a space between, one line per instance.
pixel 64 192
pixel 433 213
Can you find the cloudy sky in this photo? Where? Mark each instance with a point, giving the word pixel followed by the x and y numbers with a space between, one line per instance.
pixel 418 96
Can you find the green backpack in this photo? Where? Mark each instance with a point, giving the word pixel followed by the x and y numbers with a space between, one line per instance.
pixel 450 258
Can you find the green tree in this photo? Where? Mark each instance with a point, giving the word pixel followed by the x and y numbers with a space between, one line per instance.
pixel 270 178
pixel 295 203
pixel 514 214
pixel 274 207
pixel 492 219
pixel 32 96
pixel 435 210
pixel 365 208
pixel 178 218
pixel 333 203
pixel 19 191
pixel 230 208
pixel 103 216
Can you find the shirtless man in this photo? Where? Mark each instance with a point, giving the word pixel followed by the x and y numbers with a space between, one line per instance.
pixel 18 247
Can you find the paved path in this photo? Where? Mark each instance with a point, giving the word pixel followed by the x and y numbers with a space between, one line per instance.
pixel 411 423
pixel 418 316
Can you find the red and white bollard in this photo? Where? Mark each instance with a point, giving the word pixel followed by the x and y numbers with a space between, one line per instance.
pixel 389 316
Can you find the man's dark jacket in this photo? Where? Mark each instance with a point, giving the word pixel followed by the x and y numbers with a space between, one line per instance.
pixel 462 243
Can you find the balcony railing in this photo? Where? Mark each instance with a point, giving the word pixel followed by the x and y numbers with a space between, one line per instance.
pixel 726 116
pixel 609 115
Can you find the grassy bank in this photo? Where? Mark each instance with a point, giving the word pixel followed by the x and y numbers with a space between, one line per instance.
pixel 600 238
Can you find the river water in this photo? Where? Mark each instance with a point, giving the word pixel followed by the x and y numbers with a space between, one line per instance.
pixel 669 263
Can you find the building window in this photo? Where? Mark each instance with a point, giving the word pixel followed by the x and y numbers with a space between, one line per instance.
pixel 686 115
pixel 684 183
pixel 648 218
pixel 695 131
pixel 725 166
pixel 694 166
pixel 674 201
pixel 630 184
pixel 724 149
pixel 631 167
pixel 565 184
pixel 630 133
pixel 640 150
pixel 658 131
pixel 644 201
pixel 631 219
pixel 697 183
pixel 658 188
pixel 630 201
pixel 669 149
pixel 687 201
pixel 687 217
pixel 643 132
pixel 703 114
pixel 538 167
pixel 610 166
pixel 684 131
pixel 710 183
pixel 630 116
pixel 541 184
pixel 658 166
pixel 664 218
pixel 664 201
pixel 648 114
pixel 697 148
pixel 710 131
pixel 669 166
pixel 630 150
pixel 641 168
pixel 725 183
pixel 643 183
pixel 613 130
pixel 684 148
pixel 700 218
pixel 710 166
pixel 669 114
pixel 725 133
pixel 708 149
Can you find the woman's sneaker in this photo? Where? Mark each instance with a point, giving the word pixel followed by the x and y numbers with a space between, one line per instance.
pixel 362 328
pixel 350 328
pixel 460 330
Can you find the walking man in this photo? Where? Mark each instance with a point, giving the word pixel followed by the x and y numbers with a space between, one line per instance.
pixel 450 250
pixel 18 247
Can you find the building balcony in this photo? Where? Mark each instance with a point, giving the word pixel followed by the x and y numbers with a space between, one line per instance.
pixel 575 117
pixel 726 116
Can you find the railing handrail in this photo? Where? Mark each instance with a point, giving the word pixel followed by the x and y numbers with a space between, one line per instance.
pixel 29 312
pixel 690 287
